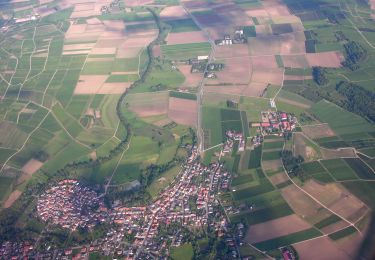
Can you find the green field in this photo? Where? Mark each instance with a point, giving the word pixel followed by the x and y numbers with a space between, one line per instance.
pixel 342 233
pixel 339 169
pixel 360 168
pixel 271 155
pixel 327 221
pixel 273 145
pixel 287 240
pixel 184 252
pixel 363 190
pixel 255 157
pixel 185 51
pixel 182 25
pixel 165 179
pixel 340 120
pixel 262 215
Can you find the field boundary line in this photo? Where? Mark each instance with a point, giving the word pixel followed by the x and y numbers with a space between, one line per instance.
pixel 115 169
pixel 316 200
pixel 24 144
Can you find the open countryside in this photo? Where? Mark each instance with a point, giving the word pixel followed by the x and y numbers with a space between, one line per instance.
pixel 168 129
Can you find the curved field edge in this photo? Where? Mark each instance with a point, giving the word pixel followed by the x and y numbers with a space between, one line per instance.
pixel 10 216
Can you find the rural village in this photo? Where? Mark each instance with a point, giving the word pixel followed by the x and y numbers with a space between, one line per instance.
pixel 187 129
pixel 190 201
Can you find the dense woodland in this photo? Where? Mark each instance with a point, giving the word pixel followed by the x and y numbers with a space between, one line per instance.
pixel 319 76
pixel 357 100
pixel 354 54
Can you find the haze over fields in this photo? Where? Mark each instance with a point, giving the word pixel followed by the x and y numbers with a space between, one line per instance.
pixel 187 129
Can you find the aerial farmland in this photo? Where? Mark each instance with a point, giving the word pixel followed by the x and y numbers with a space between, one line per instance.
pixel 155 129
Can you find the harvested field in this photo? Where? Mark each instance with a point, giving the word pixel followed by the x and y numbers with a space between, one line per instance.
pixel 75 29
pixel 108 43
pixel 236 71
pixel 114 25
pixel 211 98
pixel 257 12
pixel 173 12
pixel 264 62
pixel 263 30
pixel 233 15
pixel 275 228
pixel 318 131
pixel 334 227
pixel 76 52
pixel 128 52
pixel 291 45
pixel 301 147
pixel 331 59
pixel 312 249
pixel 271 76
pixel 337 198
pixel 255 89
pixel 296 77
pixel 139 41
pixel 80 46
pixel 191 79
pixel 276 9
pixel 103 51
pixel 133 3
pixel 295 61
pixel 88 84
pixel 31 166
pixel 211 19
pixel 183 111
pixel 278 178
pixel 225 89
pixel 222 52
pixel 149 104
pixel 99 59
pixel 303 205
pixel 339 153
pixel 350 244
pixel 271 165
pixel 93 21
pixel 156 51
pixel 286 19
pixel 113 88
pixel 163 122
pixel 12 198
pixel 277 44
pixel 186 37
pixel 292 102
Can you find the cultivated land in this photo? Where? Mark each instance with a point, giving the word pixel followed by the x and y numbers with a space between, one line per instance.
pixel 105 92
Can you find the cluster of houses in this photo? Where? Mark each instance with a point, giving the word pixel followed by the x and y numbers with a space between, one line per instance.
pixel 8 250
pixel 202 66
pixel 106 9
pixel 231 138
pixel 189 201
pixel 238 38
pixel 275 122
pixel 71 205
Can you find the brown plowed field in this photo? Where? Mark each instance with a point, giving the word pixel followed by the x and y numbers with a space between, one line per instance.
pixel 183 111
pixel 275 228
pixel 186 37
pixel 320 248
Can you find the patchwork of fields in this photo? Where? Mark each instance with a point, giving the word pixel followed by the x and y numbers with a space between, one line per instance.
pixel 64 76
